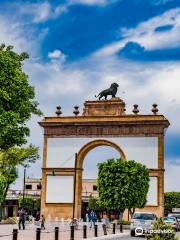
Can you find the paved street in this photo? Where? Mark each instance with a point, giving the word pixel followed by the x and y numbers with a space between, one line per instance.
pixel 64 234
pixel 48 234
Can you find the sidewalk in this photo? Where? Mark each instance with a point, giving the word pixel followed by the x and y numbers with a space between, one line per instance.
pixel 48 234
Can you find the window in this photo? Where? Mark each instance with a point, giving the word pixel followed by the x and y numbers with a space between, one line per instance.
pixel 28 186
pixel 94 188
pixel 39 187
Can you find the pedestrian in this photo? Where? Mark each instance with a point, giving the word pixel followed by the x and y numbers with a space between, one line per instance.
pixel 42 222
pixel 22 218
pixel 92 219
pixel 87 217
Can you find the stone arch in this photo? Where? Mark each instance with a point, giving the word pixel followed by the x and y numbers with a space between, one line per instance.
pixel 93 144
pixel 80 158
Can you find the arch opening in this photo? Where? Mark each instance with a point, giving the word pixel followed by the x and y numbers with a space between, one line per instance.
pixel 96 143
pixel 82 154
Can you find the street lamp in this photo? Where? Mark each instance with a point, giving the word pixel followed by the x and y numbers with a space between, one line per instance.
pixel 24 180
pixel 74 193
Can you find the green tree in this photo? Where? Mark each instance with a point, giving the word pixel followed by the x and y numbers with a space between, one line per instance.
pixel 28 203
pixel 94 204
pixel 122 185
pixel 171 200
pixel 16 99
pixel 37 203
pixel 10 159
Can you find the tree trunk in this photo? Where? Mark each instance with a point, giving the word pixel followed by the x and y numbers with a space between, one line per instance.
pixel 131 211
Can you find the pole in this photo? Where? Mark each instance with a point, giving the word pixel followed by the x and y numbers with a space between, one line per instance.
pixel 114 228
pixel 38 234
pixel 84 231
pixel 72 233
pixel 24 183
pixel 95 230
pixel 74 195
pixel 15 234
pixel 56 233
pixel 104 229
pixel 121 228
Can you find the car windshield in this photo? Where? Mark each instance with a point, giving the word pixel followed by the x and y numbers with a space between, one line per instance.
pixel 174 215
pixel 144 216
pixel 170 219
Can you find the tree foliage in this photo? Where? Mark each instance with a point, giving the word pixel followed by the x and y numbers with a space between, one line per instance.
pixel 16 99
pixel 122 184
pixel 9 160
pixel 94 204
pixel 28 203
pixel 171 200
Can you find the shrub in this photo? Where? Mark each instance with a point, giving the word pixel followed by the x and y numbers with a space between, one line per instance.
pixel 162 231
pixel 124 222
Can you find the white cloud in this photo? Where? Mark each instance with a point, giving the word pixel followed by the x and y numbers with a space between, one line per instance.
pixel 145 34
pixel 43 11
pixel 57 55
pixel 13 33
pixel 54 80
pixel 90 2
pixel 38 11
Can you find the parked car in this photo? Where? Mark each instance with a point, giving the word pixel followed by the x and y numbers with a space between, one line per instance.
pixel 141 220
pixel 173 222
pixel 176 215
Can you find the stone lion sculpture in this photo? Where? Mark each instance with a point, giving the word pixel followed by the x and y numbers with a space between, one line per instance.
pixel 110 91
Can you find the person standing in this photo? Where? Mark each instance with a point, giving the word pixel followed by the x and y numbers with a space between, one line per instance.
pixel 22 218
pixel 87 217
pixel 93 218
pixel 42 222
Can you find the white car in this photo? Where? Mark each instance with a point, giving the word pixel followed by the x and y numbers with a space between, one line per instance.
pixel 141 222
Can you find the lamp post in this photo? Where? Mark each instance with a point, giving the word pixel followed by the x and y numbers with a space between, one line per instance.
pixel 74 194
pixel 24 181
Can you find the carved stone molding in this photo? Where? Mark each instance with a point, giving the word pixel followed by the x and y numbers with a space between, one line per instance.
pixel 103 130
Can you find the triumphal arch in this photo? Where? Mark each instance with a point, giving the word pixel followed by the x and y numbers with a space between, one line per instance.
pixel 67 140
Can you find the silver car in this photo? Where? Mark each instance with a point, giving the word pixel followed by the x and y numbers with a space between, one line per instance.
pixel 173 222
pixel 141 223
pixel 176 215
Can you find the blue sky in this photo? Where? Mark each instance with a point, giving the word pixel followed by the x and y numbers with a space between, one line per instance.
pixel 78 46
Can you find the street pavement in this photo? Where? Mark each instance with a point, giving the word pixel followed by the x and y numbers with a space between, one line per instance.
pixel 48 234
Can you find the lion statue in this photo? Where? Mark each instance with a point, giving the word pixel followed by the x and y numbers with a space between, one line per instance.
pixel 110 91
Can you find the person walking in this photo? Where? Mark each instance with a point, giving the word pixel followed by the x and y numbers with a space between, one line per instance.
pixel 42 222
pixel 87 217
pixel 92 218
pixel 22 218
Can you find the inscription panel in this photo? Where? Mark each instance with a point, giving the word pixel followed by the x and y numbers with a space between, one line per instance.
pixel 61 151
pixel 105 130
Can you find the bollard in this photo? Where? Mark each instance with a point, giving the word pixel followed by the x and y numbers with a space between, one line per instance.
pixel 84 231
pixel 38 233
pixel 95 230
pixel 114 228
pixel 56 233
pixel 72 233
pixel 121 227
pixel 104 229
pixel 15 234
